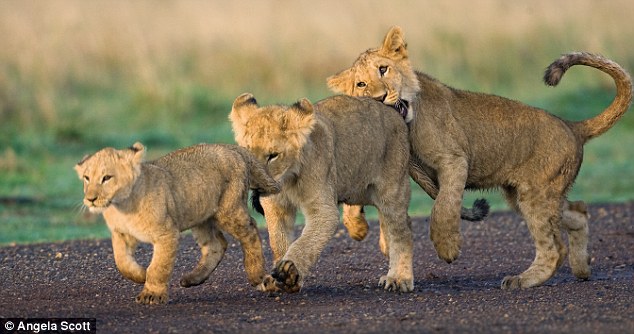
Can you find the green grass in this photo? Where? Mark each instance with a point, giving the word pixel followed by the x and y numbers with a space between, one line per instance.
pixel 40 170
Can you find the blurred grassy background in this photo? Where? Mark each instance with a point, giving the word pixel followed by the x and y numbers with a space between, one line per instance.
pixel 79 75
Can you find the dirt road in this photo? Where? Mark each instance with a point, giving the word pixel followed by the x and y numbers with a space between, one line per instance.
pixel 79 279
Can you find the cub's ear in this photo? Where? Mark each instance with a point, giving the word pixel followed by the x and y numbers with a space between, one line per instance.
pixel 242 106
pixel 136 147
pixel 133 155
pixel 300 121
pixel 304 106
pixel 342 82
pixel 138 151
pixel 245 99
pixel 394 45
pixel 80 168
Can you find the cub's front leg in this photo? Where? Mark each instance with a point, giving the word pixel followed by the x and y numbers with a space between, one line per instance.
pixel 123 247
pixel 444 226
pixel 321 223
pixel 160 270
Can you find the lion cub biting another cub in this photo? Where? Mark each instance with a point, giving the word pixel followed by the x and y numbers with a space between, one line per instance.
pixel 340 150
pixel 467 140
pixel 203 188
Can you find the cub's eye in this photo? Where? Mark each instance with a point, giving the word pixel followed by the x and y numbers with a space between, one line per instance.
pixel 86 179
pixel 382 70
pixel 361 84
pixel 271 157
pixel 106 178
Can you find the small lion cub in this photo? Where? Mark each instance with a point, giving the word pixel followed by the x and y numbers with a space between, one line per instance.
pixel 342 149
pixel 203 188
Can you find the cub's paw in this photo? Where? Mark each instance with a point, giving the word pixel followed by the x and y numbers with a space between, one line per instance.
pixel 512 283
pixel 287 276
pixel 448 248
pixel 191 279
pixel 357 227
pixel 580 268
pixel 520 282
pixel 397 285
pixel 582 273
pixel 150 298
pixel 269 284
pixel 354 221
pixel 580 264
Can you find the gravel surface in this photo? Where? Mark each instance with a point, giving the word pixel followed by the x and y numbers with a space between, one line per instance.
pixel 79 279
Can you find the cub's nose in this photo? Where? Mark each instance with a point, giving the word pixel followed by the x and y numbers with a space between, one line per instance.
pixel 91 199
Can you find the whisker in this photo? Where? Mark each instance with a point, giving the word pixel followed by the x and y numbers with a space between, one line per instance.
pixel 79 208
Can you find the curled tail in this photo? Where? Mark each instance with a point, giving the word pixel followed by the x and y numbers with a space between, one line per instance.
pixel 599 124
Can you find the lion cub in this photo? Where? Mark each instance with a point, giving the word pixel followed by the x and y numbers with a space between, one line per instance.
pixel 203 188
pixel 467 140
pixel 340 150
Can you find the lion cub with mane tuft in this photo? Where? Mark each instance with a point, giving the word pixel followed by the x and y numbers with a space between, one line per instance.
pixel 466 140
pixel 341 150
pixel 203 188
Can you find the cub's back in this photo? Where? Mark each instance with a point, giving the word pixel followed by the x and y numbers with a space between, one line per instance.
pixel 367 134
pixel 204 163
pixel 363 122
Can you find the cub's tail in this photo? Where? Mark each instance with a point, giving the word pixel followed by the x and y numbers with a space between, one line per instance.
pixel 255 202
pixel 480 208
pixel 599 124
pixel 260 182
pixel 479 211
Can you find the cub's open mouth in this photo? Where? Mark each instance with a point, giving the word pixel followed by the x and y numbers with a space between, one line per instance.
pixel 402 107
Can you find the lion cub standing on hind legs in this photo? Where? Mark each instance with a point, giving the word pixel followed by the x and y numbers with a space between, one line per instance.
pixel 479 141
pixel 341 150
pixel 203 187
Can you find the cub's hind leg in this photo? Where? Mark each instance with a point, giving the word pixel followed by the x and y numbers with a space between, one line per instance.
pixel 384 243
pixel 244 229
pixel 280 222
pixel 543 218
pixel 392 203
pixel 400 276
pixel 575 221
pixel 354 221
pixel 212 247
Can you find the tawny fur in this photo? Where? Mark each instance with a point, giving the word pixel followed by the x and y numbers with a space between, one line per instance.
pixel 203 188
pixel 470 140
pixel 340 150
